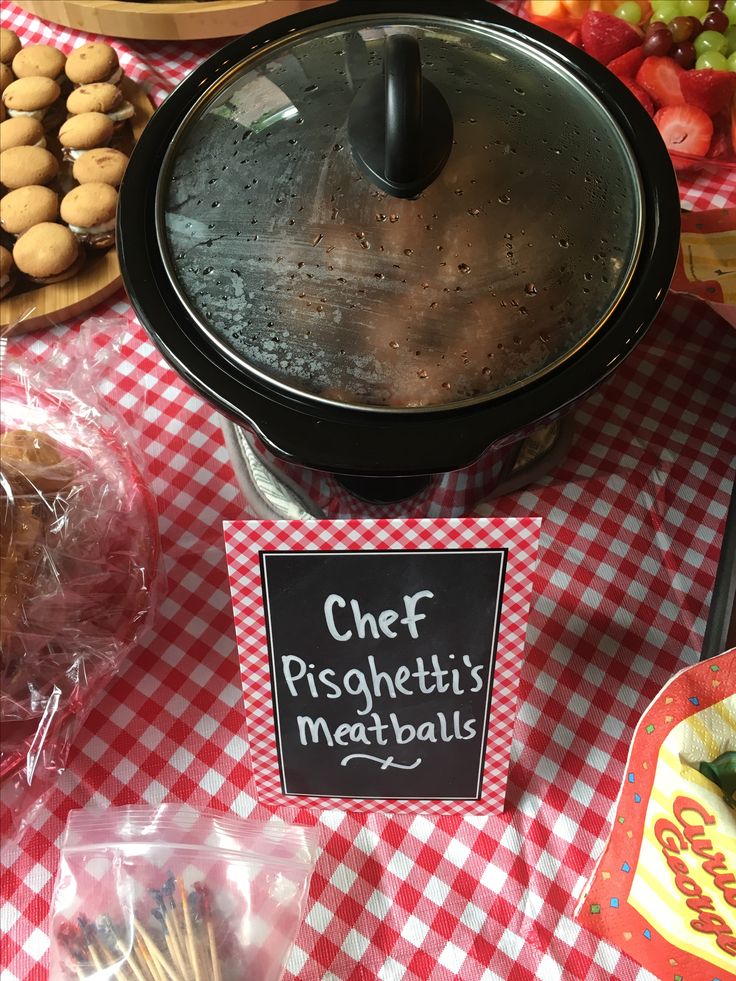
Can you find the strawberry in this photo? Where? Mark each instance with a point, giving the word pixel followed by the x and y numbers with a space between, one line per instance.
pixel 685 129
pixel 628 64
pixel 640 94
pixel 720 145
pixel 606 37
pixel 661 78
pixel 709 90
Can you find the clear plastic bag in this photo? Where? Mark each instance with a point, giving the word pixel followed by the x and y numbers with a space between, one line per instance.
pixel 172 894
pixel 79 554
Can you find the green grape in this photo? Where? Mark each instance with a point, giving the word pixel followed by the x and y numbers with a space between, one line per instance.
pixel 732 62
pixel 694 8
pixel 629 11
pixel 710 41
pixel 667 11
pixel 730 10
pixel 731 39
pixel 659 4
pixel 712 59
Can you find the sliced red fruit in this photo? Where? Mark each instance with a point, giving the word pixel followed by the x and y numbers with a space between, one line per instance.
pixel 606 37
pixel 574 38
pixel 720 144
pixel 640 94
pixel 708 89
pixel 628 64
pixel 661 78
pixel 733 126
pixel 685 129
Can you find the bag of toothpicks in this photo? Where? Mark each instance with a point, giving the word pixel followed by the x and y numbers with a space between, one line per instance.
pixel 168 893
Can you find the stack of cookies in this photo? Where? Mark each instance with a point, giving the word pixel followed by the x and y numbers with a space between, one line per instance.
pixel 59 168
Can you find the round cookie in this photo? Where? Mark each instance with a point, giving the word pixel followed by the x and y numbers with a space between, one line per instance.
pixel 85 132
pixel 26 207
pixel 31 96
pixel 24 165
pixel 48 253
pixel 89 211
pixel 93 62
pixel 9 45
pixel 100 97
pixel 39 60
pixel 6 77
pixel 100 166
pixel 21 131
pixel 7 272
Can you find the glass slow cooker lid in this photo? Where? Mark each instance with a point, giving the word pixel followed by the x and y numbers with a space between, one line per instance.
pixel 306 273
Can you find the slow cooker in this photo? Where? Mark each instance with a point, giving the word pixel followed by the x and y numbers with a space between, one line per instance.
pixel 388 239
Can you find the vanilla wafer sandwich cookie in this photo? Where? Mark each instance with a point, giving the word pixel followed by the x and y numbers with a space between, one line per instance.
pixel 40 60
pixel 32 96
pixel 26 207
pixel 7 272
pixel 24 165
pixel 93 62
pixel 85 132
pixel 21 131
pixel 100 97
pixel 6 77
pixel 89 211
pixel 9 45
pixel 101 166
pixel 48 253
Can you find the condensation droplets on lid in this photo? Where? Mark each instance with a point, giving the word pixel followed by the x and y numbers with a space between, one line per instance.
pixel 309 276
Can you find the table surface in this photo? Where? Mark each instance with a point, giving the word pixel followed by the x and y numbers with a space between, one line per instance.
pixel 631 532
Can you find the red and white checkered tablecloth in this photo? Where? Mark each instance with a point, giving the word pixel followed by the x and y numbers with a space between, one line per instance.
pixel 631 532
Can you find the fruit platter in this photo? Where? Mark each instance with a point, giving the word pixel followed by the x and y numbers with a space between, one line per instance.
pixel 678 57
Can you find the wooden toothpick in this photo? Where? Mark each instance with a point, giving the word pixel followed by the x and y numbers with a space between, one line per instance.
pixel 156 955
pixel 191 944
pixel 150 968
pixel 206 906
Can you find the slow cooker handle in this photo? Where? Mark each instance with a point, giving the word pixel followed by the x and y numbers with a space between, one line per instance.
pixel 402 72
pixel 400 126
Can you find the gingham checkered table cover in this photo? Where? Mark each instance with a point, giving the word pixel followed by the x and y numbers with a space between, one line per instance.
pixel 631 532
pixel 519 536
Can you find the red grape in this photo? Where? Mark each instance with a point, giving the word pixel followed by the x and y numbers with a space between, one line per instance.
pixel 717 4
pixel 658 44
pixel 685 28
pixel 716 21
pixel 654 26
pixel 684 54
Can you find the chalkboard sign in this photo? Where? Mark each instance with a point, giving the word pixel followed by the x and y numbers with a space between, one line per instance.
pixel 380 658
pixel 382 668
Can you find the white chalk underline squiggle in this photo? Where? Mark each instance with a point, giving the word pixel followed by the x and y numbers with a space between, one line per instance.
pixel 385 764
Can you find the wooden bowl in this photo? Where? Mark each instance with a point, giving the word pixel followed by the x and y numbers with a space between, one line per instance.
pixel 169 20
pixel 46 306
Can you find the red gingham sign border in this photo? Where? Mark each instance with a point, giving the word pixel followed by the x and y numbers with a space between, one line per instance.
pixel 245 540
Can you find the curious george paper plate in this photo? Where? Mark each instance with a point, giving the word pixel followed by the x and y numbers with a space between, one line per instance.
pixel 664 889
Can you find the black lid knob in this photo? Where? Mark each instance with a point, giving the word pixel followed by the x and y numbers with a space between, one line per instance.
pixel 400 126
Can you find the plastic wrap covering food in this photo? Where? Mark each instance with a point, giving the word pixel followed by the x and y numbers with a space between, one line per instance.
pixel 78 554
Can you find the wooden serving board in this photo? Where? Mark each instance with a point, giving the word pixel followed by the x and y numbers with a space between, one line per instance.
pixel 45 306
pixel 168 20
